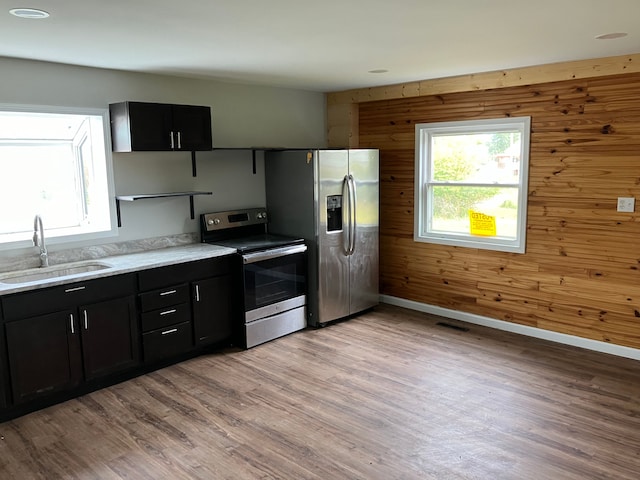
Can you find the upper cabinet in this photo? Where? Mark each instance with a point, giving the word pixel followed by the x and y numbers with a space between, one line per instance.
pixel 141 126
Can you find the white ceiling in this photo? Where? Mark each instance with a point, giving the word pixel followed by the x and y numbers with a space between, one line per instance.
pixel 323 45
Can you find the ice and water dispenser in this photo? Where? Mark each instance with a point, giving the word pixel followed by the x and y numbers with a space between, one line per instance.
pixel 334 213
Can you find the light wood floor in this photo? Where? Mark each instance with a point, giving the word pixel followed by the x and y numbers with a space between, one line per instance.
pixel 387 395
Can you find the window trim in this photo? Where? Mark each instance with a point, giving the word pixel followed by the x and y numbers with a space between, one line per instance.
pixel 423 134
pixel 75 238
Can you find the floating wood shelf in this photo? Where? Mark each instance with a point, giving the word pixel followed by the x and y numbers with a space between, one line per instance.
pixel 146 196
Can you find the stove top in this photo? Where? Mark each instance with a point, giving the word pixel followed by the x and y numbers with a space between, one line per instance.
pixel 258 242
pixel 244 230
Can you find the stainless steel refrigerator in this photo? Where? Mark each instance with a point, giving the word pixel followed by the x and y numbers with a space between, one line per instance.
pixel 331 199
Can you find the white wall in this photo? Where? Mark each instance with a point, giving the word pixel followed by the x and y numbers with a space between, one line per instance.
pixel 243 116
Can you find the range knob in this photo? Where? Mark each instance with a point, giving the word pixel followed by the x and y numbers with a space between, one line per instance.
pixel 262 215
pixel 213 221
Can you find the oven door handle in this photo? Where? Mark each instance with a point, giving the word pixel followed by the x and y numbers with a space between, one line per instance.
pixel 273 253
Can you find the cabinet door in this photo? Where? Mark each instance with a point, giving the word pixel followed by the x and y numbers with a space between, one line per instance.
pixel 193 123
pixel 4 390
pixel 150 126
pixel 44 354
pixel 110 340
pixel 212 310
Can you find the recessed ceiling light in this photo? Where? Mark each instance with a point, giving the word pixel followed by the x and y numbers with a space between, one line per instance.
pixel 28 13
pixel 379 70
pixel 610 36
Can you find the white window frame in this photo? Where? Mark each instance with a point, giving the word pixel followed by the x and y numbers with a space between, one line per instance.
pixel 424 133
pixel 74 235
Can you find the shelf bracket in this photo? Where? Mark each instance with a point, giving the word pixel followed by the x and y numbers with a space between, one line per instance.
pixel 191 209
pixel 118 213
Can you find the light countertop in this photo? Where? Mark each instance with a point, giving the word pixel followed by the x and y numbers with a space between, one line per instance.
pixel 114 265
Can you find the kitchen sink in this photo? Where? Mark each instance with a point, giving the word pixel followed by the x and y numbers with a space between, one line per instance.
pixel 47 273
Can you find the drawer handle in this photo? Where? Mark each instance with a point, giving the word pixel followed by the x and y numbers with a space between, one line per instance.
pixel 173 310
pixel 68 290
pixel 167 332
pixel 45 389
pixel 168 292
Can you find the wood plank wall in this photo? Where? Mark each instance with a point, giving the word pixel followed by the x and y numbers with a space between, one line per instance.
pixel 580 273
pixel 342 107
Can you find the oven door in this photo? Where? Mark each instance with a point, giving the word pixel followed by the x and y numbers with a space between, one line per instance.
pixel 276 277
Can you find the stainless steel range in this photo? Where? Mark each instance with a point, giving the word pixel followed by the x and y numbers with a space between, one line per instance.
pixel 272 274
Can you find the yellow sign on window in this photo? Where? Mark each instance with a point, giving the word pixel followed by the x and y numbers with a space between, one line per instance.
pixel 481 224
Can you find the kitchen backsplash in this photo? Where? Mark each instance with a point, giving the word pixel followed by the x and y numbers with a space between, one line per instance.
pixel 98 251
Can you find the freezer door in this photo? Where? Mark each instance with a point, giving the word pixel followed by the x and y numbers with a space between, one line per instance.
pixel 333 263
pixel 364 291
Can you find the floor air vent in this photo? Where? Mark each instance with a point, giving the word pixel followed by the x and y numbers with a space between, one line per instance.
pixel 454 327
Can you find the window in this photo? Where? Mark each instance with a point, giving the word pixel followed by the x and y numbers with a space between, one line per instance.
pixel 54 162
pixel 471 183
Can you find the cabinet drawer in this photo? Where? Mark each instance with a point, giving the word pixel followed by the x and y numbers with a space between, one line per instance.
pixel 163 277
pixel 164 297
pixel 47 300
pixel 164 317
pixel 167 342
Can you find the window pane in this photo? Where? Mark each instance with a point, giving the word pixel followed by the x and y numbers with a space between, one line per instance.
pixel 476 158
pixel 50 186
pixel 451 206
pixel 471 183
pixel 54 165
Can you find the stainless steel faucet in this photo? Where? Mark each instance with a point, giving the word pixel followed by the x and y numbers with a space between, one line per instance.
pixel 38 240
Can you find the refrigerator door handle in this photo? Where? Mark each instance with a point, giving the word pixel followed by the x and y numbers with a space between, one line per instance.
pixel 353 202
pixel 346 215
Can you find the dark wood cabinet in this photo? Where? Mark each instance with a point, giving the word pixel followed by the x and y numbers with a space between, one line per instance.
pixel 143 126
pixel 4 374
pixel 44 355
pixel 212 310
pixel 205 285
pixel 61 341
pixel 109 332
pixel 165 314
pixel 193 124
pixel 61 336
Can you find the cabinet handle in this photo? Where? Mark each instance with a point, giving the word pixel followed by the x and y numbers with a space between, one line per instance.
pixel 168 292
pixel 197 292
pixel 173 146
pixel 166 332
pixel 179 140
pixel 45 389
pixel 68 290
pixel 86 320
pixel 167 312
pixel 73 330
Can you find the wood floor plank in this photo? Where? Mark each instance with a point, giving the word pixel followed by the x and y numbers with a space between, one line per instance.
pixel 390 394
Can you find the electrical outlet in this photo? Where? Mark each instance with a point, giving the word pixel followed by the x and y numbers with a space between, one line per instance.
pixel 626 204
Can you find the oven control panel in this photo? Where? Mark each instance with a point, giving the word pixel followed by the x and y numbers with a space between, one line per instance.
pixel 234 218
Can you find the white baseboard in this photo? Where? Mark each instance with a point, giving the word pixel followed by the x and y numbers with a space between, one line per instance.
pixel 563 338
